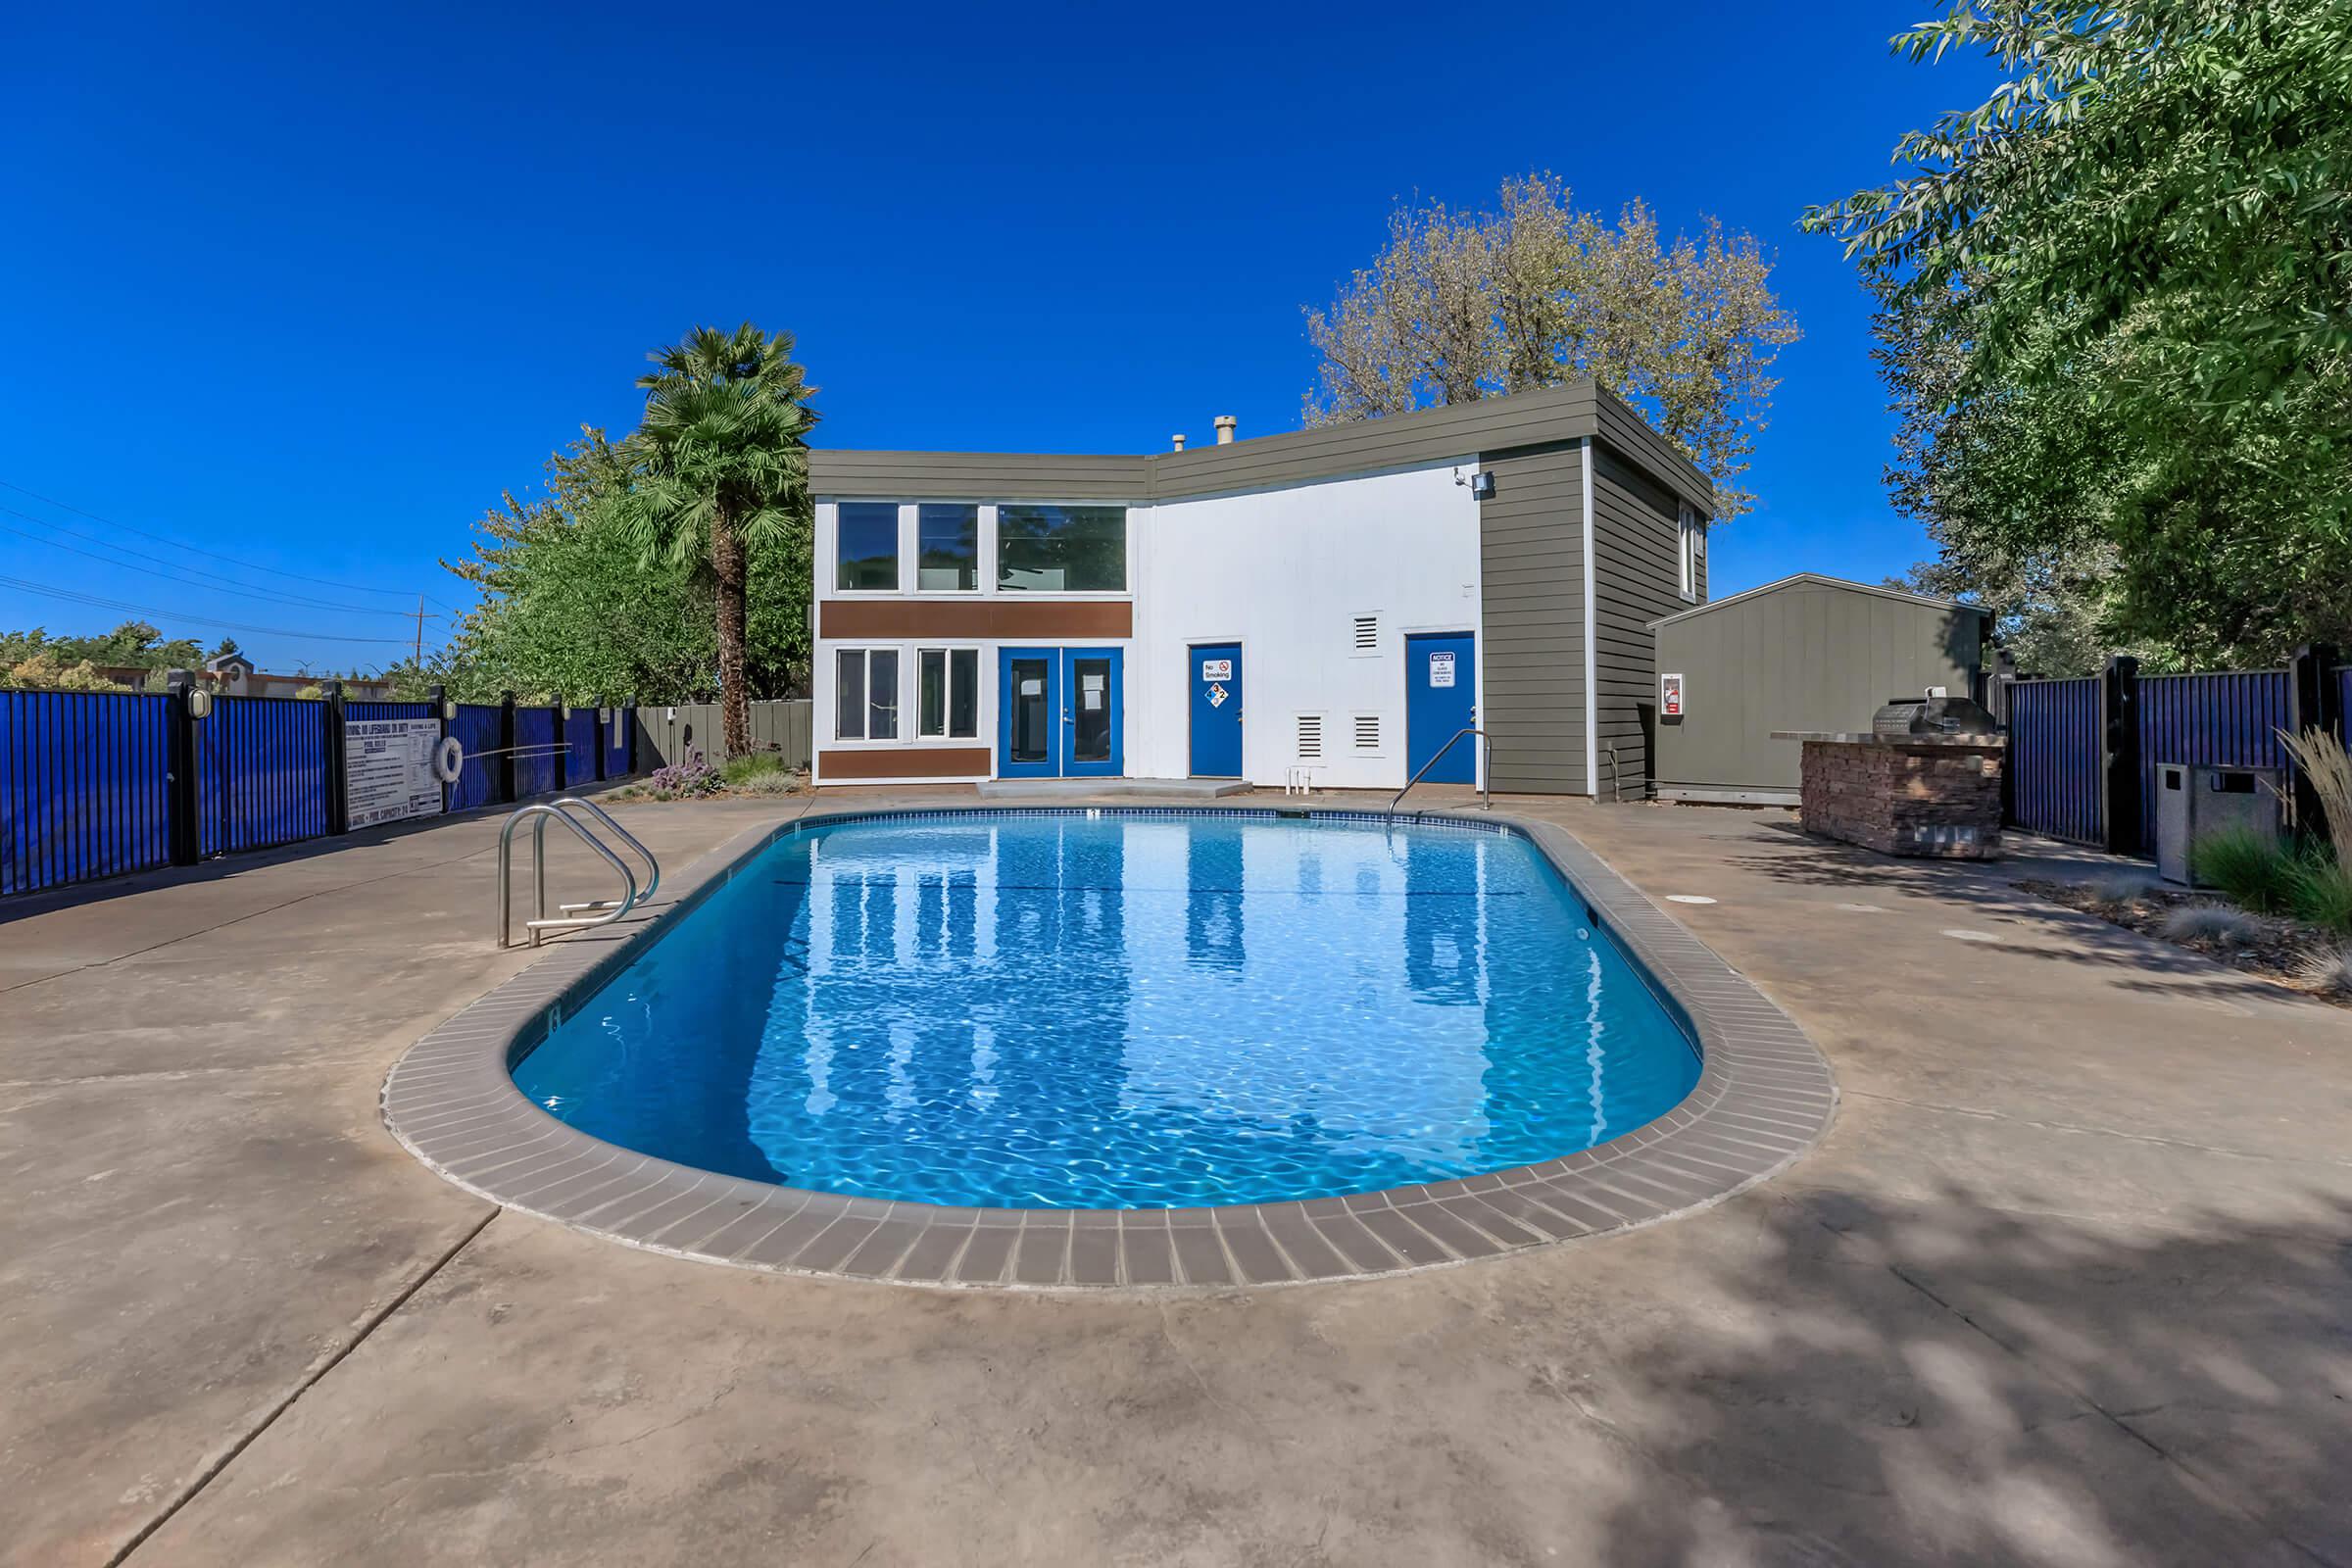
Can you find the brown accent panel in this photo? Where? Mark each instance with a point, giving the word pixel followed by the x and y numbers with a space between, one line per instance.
pixel 904 762
pixel 1006 617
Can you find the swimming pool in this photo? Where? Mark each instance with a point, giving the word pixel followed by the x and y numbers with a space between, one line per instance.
pixel 1122 1010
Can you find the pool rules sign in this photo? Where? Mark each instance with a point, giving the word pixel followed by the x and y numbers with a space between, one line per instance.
pixel 388 769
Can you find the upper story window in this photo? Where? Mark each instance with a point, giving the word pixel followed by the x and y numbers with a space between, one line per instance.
pixel 946 547
pixel 865 545
pixel 1071 550
pixel 1691 550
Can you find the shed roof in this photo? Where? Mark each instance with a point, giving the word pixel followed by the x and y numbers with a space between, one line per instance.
pixel 1814 579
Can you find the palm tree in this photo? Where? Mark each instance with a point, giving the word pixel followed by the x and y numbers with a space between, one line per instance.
pixel 720 464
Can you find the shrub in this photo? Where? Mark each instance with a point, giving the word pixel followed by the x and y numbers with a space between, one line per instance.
pixel 2212 923
pixel 684 780
pixel 776 781
pixel 740 771
pixel 2326 971
pixel 2251 867
pixel 2320 890
pixel 2117 887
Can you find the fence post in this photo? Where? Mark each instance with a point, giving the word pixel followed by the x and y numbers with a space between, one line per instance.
pixel 506 742
pixel 338 781
pixel 2312 703
pixel 180 792
pixel 2119 699
pixel 563 746
pixel 606 714
pixel 438 696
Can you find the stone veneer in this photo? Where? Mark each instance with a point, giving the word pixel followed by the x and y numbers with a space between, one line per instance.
pixel 1938 798
pixel 1764 1097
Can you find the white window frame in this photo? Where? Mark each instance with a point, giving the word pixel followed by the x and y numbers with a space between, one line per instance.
pixel 1689 534
pixel 993 567
pixel 833 588
pixel 898 695
pixel 984 538
pixel 947 650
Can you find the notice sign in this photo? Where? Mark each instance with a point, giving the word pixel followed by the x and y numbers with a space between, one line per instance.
pixel 1217 669
pixel 1670 696
pixel 388 768
pixel 1440 670
pixel 1090 692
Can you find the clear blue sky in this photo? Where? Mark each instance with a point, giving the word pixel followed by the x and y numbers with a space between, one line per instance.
pixel 304 289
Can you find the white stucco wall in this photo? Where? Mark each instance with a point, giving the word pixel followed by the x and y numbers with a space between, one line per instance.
pixel 1285 573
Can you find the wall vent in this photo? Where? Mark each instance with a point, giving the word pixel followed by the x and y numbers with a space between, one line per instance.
pixel 1367 732
pixel 1364 632
pixel 1310 737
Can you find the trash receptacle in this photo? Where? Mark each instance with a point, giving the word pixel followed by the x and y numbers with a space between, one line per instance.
pixel 2196 800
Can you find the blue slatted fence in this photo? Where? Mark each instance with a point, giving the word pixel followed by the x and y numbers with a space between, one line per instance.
pixel 477 729
pixel 261 770
pixel 579 748
pixel 2227 720
pixel 387 710
pixel 534 753
pixel 2056 756
pixel 82 786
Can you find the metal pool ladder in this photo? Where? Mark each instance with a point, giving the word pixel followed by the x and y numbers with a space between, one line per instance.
pixel 1485 798
pixel 571 916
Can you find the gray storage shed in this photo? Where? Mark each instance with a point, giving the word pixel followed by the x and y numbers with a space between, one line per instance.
pixel 1807 653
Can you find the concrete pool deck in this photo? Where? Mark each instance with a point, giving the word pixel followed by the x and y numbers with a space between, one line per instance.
pixel 2065 1282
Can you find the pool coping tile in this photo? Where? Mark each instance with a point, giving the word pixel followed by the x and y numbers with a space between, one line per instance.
pixel 1764 1098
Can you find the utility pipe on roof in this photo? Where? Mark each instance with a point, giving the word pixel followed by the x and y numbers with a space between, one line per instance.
pixel 1226 423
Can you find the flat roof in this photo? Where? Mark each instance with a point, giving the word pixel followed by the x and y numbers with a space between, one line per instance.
pixel 1457 433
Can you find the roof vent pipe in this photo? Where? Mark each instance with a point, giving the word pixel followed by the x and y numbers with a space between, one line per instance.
pixel 1225 426
pixel 1178 438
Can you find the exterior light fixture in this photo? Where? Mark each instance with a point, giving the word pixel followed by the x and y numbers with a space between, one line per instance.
pixel 449 707
pixel 1482 486
pixel 199 702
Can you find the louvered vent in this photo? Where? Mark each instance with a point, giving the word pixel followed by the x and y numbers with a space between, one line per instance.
pixel 1367 732
pixel 1367 634
pixel 1310 737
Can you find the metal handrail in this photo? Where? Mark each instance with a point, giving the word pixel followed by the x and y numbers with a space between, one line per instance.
pixel 652 866
pixel 1486 798
pixel 540 812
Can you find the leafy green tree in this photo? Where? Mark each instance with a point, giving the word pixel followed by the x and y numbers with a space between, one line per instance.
pixel 718 468
pixel 2132 254
pixel 572 609
pixel 72 663
pixel 1466 304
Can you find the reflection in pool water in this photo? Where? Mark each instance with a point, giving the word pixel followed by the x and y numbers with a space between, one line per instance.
pixel 1121 1012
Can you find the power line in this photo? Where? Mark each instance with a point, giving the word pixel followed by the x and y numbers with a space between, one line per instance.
pixel 200 620
pixel 190 574
pixel 297 576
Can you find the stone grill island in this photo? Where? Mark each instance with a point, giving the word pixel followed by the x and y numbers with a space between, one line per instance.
pixel 1924 780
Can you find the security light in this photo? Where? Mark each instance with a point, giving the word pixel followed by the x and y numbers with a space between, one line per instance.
pixel 1482 486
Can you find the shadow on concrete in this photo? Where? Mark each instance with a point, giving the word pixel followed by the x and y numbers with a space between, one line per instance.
pixel 1870 1380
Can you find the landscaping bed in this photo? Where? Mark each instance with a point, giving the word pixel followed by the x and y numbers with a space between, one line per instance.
pixel 2303 956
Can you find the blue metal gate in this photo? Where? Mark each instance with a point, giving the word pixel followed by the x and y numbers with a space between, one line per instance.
pixel 535 742
pixel 2057 751
pixel 260 773
pixel 580 747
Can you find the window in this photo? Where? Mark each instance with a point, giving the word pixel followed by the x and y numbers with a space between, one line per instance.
pixel 865 545
pixel 1065 550
pixel 947 546
pixel 948 693
pixel 865 693
pixel 1364 634
pixel 1691 547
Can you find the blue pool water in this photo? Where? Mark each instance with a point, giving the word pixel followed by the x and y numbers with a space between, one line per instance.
pixel 1121 1012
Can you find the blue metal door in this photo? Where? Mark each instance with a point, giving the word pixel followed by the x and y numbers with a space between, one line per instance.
pixel 1215 675
pixel 1028 712
pixel 1093 713
pixel 1440 700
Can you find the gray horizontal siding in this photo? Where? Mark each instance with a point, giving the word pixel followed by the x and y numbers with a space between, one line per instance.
pixel 1530 566
pixel 978 475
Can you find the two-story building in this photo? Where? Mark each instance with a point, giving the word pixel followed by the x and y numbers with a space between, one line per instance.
pixel 1334 604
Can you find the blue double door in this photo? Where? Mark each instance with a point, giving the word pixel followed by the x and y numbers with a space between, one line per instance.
pixel 1441 700
pixel 1059 712
pixel 1215 675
